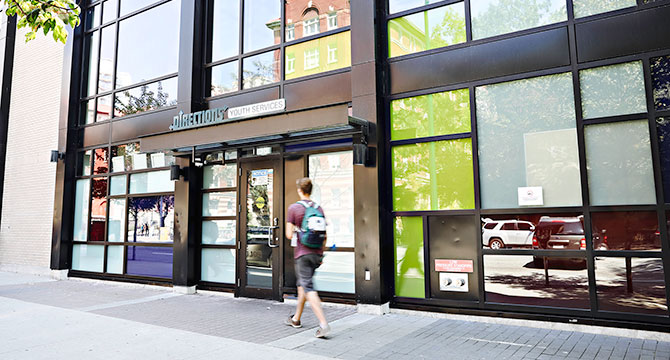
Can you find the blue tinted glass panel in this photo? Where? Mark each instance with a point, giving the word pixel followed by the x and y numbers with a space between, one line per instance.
pixel 151 219
pixel 660 78
pixel 150 261
pixel 663 126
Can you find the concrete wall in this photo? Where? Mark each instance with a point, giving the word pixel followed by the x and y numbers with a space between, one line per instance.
pixel 27 204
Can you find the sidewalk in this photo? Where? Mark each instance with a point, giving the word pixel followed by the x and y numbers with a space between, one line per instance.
pixel 45 319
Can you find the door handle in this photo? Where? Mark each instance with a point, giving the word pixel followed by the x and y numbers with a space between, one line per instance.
pixel 271 235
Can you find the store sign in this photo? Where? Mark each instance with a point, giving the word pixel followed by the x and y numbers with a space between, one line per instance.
pixel 454 266
pixel 225 114
pixel 530 196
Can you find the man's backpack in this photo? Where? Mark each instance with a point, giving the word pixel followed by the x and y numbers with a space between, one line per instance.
pixel 313 228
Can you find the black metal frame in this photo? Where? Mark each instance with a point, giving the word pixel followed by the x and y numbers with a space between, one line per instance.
pixel 482 306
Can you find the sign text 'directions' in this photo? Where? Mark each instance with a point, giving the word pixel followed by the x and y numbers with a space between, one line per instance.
pixel 225 114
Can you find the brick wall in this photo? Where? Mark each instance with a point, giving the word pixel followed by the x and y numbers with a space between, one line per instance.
pixel 27 204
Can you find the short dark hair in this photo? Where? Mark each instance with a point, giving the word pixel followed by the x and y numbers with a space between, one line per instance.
pixel 305 185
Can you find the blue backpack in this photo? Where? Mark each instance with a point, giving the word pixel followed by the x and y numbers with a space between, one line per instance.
pixel 313 228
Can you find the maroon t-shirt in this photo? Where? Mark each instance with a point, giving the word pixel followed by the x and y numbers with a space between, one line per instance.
pixel 296 212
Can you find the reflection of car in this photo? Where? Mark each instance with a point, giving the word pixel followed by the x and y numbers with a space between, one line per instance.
pixel 507 233
pixel 559 233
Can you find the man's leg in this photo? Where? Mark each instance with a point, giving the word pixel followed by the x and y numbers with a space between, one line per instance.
pixel 301 304
pixel 315 303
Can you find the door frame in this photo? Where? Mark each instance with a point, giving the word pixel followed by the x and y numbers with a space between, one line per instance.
pixel 266 162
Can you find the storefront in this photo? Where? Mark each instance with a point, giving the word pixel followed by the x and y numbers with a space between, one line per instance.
pixel 469 157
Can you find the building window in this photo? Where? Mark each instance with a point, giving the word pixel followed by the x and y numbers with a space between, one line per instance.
pixel 613 90
pixel 536 117
pixel 332 53
pixel 259 70
pixel 290 32
pixel 420 34
pixel 584 8
pixel 290 63
pixel 332 21
pixel 310 26
pixel 491 18
pixel 311 59
pixel 409 257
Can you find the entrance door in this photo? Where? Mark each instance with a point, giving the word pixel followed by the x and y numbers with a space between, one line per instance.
pixel 261 229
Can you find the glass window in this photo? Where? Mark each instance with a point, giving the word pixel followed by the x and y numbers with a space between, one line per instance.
pixel 106 68
pixel 81 200
pixel 442 113
pixel 151 182
pixel 87 112
pixel 225 30
pixel 224 79
pixel 332 21
pixel 496 17
pixel 261 24
pixel 311 26
pixel 218 265
pixel 527 137
pixel 427 30
pixel 218 232
pixel 146 97
pixel 409 262
pixel 336 50
pixel 123 155
pixel 591 7
pixel 613 90
pixel 98 209
pixel 514 279
pixel 84 162
pixel 490 225
pixel 402 5
pixel 115 259
pixel 151 219
pixel 625 230
pixel 156 52
pixel 128 6
pixel 290 63
pixel 619 165
pixel 87 257
pixel 104 111
pixel 149 261
pixel 631 285
pixel 100 164
pixel 260 70
pixel 290 32
pixel 433 176
pixel 219 176
pixel 117 218
pixel 218 204
pixel 336 273
pixel 332 177
pixel 110 9
pixel 660 78
pixel 311 58
pixel 117 185
pixel 91 48
pixel 543 231
pixel 663 132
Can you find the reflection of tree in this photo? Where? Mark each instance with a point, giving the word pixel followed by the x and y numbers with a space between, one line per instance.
pixel 260 73
pixel 613 90
pixel 160 204
pixel 660 68
pixel 641 290
pixel 409 268
pixel 147 100
pixel 429 115
pixel 427 30
pixel 565 291
pixel 505 16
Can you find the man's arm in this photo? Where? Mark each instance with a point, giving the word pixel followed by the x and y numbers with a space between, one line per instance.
pixel 289 230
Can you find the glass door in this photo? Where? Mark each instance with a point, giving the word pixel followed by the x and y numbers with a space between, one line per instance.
pixel 261 229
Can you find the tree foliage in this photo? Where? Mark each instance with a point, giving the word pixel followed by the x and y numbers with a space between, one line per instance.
pixel 44 15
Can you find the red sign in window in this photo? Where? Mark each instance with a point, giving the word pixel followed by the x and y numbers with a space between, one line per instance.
pixel 462 266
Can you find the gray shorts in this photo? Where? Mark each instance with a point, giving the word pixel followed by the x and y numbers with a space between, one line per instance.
pixel 304 270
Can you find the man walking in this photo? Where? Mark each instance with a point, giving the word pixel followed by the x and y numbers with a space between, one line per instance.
pixel 307 255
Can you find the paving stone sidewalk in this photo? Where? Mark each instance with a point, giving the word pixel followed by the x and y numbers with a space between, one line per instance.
pixel 42 318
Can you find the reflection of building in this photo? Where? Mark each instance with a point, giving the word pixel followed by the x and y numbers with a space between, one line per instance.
pixel 405 37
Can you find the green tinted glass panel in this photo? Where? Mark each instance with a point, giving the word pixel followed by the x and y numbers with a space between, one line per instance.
pixel 433 176
pixel 619 164
pixel 591 7
pixel 409 263
pixel 495 17
pixel 427 30
pixel 613 90
pixel 430 115
pixel 320 55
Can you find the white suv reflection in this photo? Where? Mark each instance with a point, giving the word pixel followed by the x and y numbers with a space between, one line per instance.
pixel 498 234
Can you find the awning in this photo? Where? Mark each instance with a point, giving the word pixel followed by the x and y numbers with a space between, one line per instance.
pixel 310 124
